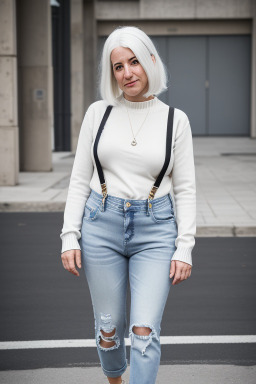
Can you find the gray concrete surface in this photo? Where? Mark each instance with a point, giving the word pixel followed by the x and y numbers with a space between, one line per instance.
pixel 225 179
pixel 175 374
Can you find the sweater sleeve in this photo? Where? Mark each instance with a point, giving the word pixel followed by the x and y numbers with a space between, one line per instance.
pixel 79 188
pixel 184 189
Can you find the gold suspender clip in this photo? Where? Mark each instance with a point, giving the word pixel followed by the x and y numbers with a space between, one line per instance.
pixel 152 193
pixel 104 193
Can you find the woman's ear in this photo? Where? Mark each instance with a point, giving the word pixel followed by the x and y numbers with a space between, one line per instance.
pixel 153 58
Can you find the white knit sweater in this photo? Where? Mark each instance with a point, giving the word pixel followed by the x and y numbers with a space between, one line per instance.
pixel 130 171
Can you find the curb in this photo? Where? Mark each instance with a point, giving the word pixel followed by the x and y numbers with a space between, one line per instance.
pixel 36 206
pixel 226 231
pixel 202 231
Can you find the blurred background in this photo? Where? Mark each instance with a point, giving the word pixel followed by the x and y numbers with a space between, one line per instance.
pixel 49 57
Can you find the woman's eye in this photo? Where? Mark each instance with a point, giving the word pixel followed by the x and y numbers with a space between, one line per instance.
pixel 134 61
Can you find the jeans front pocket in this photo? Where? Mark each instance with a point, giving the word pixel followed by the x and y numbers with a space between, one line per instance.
pixel 163 213
pixel 91 209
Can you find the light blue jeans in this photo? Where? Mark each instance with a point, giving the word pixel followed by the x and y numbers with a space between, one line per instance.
pixel 136 239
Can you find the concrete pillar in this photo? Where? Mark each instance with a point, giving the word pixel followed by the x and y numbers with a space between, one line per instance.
pixel 83 62
pixel 9 154
pixel 90 52
pixel 77 70
pixel 253 74
pixel 35 84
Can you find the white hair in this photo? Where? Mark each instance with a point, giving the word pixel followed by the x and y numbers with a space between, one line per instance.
pixel 143 48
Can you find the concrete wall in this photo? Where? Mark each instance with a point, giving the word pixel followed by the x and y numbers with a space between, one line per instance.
pixel 77 69
pixel 35 84
pixel 9 152
pixel 174 9
pixel 83 62
pixel 182 27
pixel 253 92
pixel 90 50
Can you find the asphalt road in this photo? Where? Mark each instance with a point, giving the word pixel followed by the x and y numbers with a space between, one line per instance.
pixel 39 300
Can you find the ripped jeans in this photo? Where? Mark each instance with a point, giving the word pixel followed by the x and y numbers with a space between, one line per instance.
pixel 135 239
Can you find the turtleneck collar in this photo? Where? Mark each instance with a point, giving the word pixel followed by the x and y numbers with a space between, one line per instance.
pixel 138 105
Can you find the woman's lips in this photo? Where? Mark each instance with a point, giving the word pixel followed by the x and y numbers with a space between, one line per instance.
pixel 131 84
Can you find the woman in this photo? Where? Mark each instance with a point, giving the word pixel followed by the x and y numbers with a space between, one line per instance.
pixel 114 225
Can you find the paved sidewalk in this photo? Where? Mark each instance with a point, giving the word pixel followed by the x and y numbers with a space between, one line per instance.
pixel 225 179
pixel 175 374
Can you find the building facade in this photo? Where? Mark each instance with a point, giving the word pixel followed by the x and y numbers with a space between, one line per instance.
pixel 209 48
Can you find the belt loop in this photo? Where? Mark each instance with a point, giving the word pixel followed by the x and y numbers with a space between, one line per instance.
pixel 148 207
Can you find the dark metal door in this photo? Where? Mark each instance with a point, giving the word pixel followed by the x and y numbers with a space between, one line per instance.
pixel 229 85
pixel 61 75
pixel 209 78
pixel 186 61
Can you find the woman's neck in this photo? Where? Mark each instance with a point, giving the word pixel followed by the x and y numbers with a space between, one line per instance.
pixel 138 99
pixel 139 106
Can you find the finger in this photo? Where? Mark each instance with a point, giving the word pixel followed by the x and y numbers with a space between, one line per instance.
pixel 176 281
pixel 172 270
pixel 176 277
pixel 64 262
pixel 183 274
pixel 65 265
pixel 188 273
pixel 78 258
pixel 74 271
pixel 71 267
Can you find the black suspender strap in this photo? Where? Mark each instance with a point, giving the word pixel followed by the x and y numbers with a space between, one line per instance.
pixel 167 154
pixel 98 165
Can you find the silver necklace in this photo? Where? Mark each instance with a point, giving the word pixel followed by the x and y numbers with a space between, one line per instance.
pixel 134 142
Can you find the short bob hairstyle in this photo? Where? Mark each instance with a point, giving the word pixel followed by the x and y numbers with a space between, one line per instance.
pixel 143 48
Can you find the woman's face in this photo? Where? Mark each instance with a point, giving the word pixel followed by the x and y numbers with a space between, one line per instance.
pixel 127 69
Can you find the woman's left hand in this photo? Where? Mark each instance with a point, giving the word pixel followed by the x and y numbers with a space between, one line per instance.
pixel 180 270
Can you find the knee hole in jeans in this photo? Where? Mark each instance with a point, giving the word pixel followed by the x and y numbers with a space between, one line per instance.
pixel 141 336
pixel 107 338
pixel 106 341
pixel 141 330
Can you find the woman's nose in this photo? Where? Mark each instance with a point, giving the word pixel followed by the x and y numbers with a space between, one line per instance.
pixel 127 71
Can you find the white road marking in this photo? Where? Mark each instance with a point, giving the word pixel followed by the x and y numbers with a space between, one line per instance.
pixel 83 343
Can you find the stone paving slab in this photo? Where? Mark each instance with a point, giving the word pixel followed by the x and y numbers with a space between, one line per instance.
pixel 175 374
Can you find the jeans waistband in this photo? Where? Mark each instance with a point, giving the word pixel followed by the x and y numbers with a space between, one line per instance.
pixel 121 203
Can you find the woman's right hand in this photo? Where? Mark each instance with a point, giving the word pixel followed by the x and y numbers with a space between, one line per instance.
pixel 69 258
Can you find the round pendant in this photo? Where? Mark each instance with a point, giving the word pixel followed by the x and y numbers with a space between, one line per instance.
pixel 134 142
